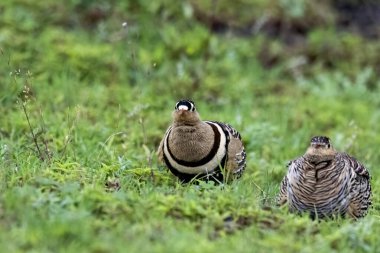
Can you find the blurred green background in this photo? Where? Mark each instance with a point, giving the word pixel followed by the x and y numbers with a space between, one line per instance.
pixel 86 93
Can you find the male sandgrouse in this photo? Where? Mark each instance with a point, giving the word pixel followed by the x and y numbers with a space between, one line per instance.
pixel 326 183
pixel 196 149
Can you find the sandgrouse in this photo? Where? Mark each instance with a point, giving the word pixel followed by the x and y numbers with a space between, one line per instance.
pixel 326 183
pixel 196 149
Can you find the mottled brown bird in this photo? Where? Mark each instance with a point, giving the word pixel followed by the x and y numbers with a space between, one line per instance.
pixel 196 149
pixel 326 183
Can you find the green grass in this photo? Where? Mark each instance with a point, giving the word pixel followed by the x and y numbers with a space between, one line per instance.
pixel 99 99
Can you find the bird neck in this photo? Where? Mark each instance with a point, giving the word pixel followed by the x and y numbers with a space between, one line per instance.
pixel 318 158
pixel 189 122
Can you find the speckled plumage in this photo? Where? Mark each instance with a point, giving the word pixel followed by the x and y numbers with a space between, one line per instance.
pixel 326 183
pixel 192 148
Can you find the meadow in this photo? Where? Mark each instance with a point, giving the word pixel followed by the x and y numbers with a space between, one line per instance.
pixel 87 89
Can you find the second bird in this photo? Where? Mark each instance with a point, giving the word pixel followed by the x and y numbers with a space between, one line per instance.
pixel 192 148
pixel 326 183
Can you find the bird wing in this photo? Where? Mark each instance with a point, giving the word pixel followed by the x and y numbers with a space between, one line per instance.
pixel 360 187
pixel 282 197
pixel 299 177
pixel 232 131
pixel 236 155
pixel 160 150
pixel 357 167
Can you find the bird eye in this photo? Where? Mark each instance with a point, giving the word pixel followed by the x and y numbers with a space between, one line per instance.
pixel 328 145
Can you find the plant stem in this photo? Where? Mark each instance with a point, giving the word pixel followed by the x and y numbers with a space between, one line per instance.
pixel 31 131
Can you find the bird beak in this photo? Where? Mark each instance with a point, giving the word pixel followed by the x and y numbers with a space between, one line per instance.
pixel 317 145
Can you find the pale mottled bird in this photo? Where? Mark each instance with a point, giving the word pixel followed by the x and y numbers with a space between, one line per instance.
pixel 192 148
pixel 326 183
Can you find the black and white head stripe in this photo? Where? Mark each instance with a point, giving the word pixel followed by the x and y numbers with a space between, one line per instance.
pixel 187 105
pixel 206 165
pixel 320 140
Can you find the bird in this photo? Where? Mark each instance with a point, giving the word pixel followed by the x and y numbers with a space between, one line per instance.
pixel 195 149
pixel 326 183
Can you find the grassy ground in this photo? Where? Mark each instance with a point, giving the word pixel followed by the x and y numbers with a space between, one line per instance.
pixel 85 102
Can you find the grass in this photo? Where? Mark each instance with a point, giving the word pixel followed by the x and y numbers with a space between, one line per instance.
pixel 95 99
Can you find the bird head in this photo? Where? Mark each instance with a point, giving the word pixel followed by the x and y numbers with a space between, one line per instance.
pixel 185 105
pixel 320 148
pixel 320 142
pixel 185 112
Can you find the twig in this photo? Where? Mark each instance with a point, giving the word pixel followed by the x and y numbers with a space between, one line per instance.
pixel 31 131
